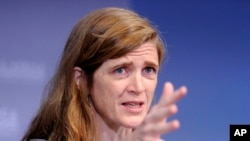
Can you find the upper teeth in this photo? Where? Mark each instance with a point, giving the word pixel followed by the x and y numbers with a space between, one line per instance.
pixel 133 104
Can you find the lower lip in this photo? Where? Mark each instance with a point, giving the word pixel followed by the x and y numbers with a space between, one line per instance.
pixel 134 110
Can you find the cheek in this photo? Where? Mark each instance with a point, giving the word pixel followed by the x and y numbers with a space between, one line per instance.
pixel 103 94
pixel 151 92
pixel 98 92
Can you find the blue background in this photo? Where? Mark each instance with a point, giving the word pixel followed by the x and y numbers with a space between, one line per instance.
pixel 208 51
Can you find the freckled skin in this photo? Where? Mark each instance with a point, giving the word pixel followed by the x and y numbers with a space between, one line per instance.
pixel 132 77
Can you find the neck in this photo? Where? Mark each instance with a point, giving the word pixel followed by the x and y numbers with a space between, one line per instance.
pixel 105 133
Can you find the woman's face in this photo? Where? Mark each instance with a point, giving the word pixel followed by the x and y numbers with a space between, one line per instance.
pixel 123 88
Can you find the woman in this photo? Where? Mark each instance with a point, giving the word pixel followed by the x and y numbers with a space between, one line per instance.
pixel 104 85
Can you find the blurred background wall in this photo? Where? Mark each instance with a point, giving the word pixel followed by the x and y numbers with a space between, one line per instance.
pixel 208 51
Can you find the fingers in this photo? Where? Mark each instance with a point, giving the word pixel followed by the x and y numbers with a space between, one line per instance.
pixel 167 90
pixel 176 96
pixel 156 123
pixel 161 113
pixel 160 128
pixel 170 96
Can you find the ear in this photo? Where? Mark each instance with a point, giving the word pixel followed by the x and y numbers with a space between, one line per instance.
pixel 77 72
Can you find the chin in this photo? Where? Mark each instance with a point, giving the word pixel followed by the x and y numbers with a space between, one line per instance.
pixel 132 123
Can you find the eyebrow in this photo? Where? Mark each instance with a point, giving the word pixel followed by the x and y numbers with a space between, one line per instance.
pixel 152 64
pixel 146 63
pixel 122 65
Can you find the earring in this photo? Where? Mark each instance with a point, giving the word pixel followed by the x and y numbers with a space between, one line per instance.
pixel 78 82
pixel 89 100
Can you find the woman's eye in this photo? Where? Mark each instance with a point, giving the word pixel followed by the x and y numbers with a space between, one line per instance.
pixel 149 70
pixel 120 71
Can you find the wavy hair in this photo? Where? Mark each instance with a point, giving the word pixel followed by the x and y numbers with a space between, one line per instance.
pixel 101 35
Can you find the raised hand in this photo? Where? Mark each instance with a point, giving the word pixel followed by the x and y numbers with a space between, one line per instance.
pixel 156 122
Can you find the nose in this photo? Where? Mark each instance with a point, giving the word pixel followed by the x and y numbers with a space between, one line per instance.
pixel 136 84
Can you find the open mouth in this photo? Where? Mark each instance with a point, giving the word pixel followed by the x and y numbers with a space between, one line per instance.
pixel 133 106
